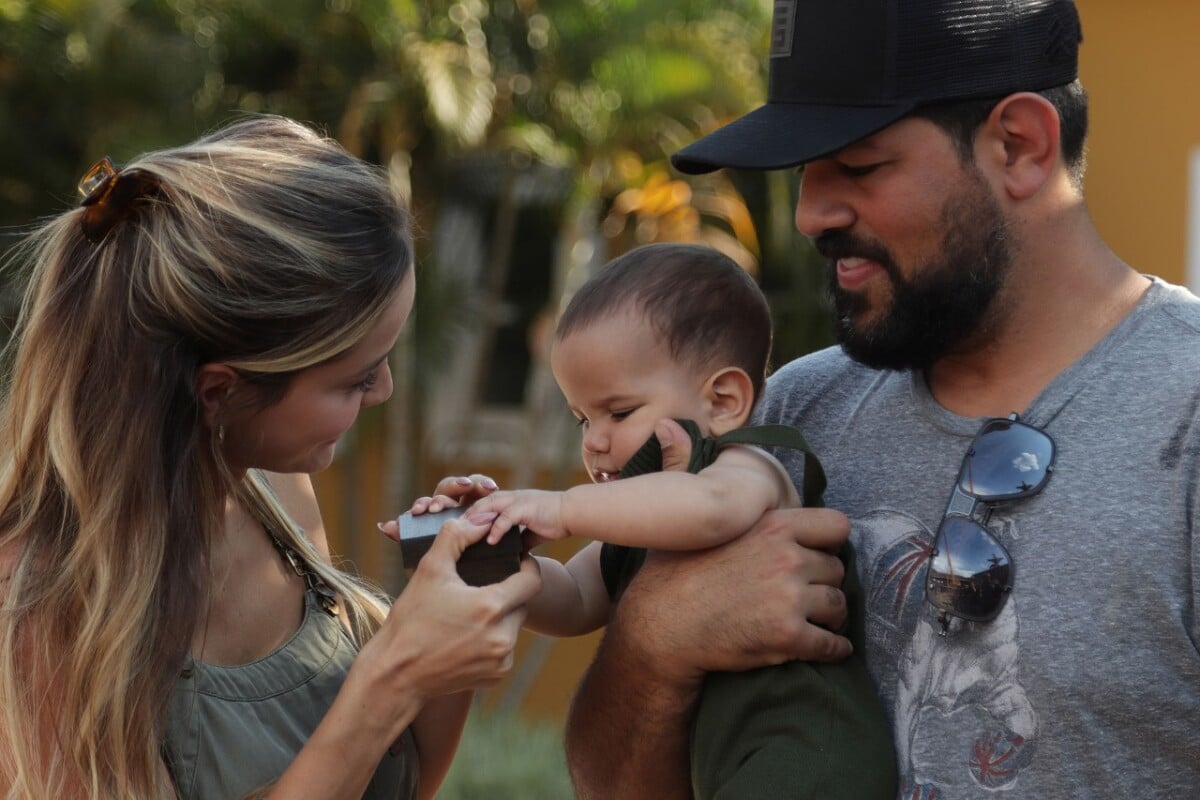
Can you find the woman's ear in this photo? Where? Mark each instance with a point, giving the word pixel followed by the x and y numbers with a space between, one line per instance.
pixel 730 396
pixel 214 384
pixel 1022 136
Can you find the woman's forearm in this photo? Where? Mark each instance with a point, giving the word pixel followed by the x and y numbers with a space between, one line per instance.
pixel 340 758
pixel 438 729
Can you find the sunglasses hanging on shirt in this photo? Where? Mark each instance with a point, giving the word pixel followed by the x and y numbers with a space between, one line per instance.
pixel 970 572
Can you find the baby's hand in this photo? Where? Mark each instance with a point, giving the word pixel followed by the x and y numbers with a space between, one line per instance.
pixel 540 512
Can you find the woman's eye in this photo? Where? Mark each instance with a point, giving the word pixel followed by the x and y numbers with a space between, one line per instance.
pixel 366 383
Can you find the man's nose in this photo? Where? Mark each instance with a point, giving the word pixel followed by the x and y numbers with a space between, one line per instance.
pixel 821 205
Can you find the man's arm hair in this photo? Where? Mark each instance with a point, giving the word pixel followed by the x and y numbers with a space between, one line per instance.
pixel 627 729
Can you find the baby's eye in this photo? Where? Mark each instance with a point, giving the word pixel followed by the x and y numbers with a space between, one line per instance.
pixel 581 422
pixel 620 415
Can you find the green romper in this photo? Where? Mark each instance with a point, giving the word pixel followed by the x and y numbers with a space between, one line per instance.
pixel 231 730
pixel 798 730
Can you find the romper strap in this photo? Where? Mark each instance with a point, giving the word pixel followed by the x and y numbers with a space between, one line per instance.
pixel 705 449
pixel 324 593
pixel 773 435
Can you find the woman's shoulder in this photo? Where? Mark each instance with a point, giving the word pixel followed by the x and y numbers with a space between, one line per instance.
pixel 299 499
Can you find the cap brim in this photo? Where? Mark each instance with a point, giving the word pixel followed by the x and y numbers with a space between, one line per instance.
pixel 782 135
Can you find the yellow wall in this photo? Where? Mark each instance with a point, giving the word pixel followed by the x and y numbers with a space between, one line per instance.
pixel 1140 63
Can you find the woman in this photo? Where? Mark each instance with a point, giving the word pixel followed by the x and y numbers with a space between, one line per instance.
pixel 194 340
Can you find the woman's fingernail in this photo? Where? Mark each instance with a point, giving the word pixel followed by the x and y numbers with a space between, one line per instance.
pixel 463 481
pixel 488 483
pixel 482 517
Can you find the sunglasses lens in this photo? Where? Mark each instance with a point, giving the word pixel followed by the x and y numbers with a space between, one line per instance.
pixel 1007 460
pixel 970 574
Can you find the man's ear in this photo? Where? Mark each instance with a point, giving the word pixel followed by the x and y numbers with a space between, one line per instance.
pixel 214 384
pixel 1021 139
pixel 730 396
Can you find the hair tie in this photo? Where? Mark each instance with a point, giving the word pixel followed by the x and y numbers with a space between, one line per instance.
pixel 109 195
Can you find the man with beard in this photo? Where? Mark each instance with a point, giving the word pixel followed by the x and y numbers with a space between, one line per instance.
pixel 1008 426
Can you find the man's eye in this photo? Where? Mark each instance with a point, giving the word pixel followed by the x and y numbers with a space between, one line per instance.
pixel 858 170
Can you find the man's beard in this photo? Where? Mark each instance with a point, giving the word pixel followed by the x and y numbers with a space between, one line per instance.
pixel 949 302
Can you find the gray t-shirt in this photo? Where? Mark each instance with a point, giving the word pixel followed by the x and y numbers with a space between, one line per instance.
pixel 1087 684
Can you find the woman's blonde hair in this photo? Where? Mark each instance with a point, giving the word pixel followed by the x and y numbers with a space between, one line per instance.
pixel 263 246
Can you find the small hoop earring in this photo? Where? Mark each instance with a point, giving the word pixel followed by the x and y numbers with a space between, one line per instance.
pixel 220 434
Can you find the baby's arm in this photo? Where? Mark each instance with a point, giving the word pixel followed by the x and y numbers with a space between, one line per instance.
pixel 573 600
pixel 663 510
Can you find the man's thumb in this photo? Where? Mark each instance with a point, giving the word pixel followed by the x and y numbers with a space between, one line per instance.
pixel 675 443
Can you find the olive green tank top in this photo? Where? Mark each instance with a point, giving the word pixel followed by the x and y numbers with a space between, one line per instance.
pixel 231 730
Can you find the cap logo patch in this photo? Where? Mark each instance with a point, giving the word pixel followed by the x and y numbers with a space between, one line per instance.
pixel 781 28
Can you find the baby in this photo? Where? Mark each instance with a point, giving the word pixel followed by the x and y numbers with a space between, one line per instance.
pixel 676 330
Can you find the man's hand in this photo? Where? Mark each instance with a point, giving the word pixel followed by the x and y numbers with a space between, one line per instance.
pixel 766 597
pixel 769 596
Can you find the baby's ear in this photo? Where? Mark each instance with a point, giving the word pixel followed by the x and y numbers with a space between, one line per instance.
pixel 730 396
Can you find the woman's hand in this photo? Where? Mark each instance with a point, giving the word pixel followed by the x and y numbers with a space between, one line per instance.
pixel 450 492
pixel 453 491
pixel 440 637
pixel 444 636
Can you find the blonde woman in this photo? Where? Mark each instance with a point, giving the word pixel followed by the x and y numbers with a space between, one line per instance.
pixel 193 341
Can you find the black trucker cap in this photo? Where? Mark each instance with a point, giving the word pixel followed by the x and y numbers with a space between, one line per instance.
pixel 844 69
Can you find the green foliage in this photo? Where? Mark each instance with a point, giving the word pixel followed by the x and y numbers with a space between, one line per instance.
pixel 505 756
pixel 602 89
pixel 591 78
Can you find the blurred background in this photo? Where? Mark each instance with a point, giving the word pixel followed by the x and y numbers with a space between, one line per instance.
pixel 531 138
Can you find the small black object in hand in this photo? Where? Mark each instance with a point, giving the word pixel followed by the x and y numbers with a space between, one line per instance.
pixel 479 565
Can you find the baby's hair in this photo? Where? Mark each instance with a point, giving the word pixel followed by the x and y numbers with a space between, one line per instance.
pixel 706 307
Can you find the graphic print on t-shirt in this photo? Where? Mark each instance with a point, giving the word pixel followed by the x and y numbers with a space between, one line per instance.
pixel 935 687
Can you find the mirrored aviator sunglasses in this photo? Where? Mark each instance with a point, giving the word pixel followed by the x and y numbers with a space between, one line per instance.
pixel 970 572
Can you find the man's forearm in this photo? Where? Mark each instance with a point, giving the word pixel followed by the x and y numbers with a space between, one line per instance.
pixel 628 728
